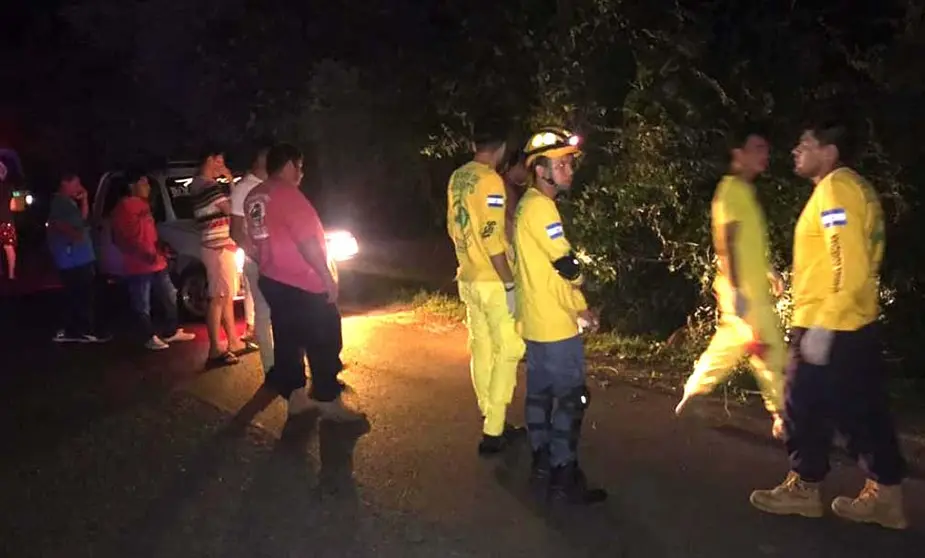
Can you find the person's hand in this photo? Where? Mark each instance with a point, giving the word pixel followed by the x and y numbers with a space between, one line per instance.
pixel 333 291
pixel 225 173
pixel 777 283
pixel 511 298
pixel 588 321
pixel 816 345
pixel 80 194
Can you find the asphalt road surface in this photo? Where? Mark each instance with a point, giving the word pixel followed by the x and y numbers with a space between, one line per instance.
pixel 115 451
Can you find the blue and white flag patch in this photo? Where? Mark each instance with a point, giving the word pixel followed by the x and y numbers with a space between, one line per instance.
pixel 834 218
pixel 554 231
pixel 495 200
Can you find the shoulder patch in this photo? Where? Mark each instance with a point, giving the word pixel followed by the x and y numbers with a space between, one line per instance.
pixel 834 218
pixel 554 231
pixel 495 200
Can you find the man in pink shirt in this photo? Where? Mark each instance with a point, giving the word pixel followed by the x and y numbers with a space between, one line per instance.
pixel 285 237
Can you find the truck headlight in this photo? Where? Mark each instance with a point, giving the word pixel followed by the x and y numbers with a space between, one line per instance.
pixel 239 260
pixel 342 245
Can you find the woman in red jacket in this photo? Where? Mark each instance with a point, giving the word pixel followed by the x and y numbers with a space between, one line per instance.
pixel 134 233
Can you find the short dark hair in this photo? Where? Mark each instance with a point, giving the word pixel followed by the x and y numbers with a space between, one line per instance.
pixel 280 154
pixel 134 175
pixel 212 151
pixel 489 134
pixel 739 134
pixel 68 175
pixel 831 131
pixel 261 145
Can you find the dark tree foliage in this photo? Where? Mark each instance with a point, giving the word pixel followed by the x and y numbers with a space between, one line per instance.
pixel 386 92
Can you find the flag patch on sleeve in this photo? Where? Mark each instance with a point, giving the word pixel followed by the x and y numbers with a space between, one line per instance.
pixel 834 218
pixel 495 200
pixel 554 231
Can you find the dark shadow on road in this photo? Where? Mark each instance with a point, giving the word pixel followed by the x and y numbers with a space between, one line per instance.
pixel 838 453
pixel 288 508
pixel 591 531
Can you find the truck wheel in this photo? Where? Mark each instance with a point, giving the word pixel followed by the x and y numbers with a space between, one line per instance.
pixel 193 293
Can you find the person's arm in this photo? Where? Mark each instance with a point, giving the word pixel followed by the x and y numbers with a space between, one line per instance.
pixel 302 221
pixel 489 204
pixel 238 233
pixel 727 214
pixel 853 252
pixel 57 220
pixel 545 225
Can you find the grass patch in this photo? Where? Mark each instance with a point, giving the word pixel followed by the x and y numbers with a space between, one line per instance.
pixel 438 305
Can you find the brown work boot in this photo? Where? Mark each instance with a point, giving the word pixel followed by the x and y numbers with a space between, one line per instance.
pixel 877 503
pixel 794 496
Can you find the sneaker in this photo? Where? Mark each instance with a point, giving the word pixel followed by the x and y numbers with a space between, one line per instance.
pixel 794 496
pixel 156 344
pixel 299 402
pixel 877 503
pixel 62 337
pixel 179 336
pixel 90 338
pixel 336 411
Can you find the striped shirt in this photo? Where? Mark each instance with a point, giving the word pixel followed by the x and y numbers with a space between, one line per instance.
pixel 214 223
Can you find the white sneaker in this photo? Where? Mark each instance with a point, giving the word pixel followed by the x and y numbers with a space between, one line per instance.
pixel 180 336
pixel 156 344
pixel 299 402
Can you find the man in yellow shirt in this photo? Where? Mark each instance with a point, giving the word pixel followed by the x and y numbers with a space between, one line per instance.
pixel 835 378
pixel 475 223
pixel 550 308
pixel 747 322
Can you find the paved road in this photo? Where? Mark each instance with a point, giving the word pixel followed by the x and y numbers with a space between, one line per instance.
pixel 112 451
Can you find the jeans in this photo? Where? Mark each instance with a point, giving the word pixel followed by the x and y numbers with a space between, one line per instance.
pixel 556 397
pixel 305 325
pixel 157 288
pixel 79 284
pixel 848 395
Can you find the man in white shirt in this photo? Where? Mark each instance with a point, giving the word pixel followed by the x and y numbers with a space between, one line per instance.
pixel 256 309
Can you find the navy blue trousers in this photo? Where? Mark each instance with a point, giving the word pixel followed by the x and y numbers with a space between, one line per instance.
pixel 849 396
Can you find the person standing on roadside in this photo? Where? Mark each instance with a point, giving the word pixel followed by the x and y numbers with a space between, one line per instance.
pixel 212 208
pixel 7 228
pixel 552 310
pixel 284 235
pixel 476 225
pixel 256 309
pixel 72 250
pixel 836 378
pixel 135 234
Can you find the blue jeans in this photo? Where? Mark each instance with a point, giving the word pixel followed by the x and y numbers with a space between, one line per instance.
pixel 556 397
pixel 157 288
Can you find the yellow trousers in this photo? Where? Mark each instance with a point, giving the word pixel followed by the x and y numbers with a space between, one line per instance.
pixel 730 343
pixel 495 349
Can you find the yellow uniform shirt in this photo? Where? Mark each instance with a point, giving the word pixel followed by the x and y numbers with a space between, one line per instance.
pixel 838 246
pixel 735 202
pixel 547 304
pixel 475 220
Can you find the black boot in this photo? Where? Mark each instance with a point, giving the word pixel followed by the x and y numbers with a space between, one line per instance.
pixel 568 484
pixel 540 471
pixel 492 445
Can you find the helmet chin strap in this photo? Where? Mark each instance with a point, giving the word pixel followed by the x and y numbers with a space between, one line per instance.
pixel 558 187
